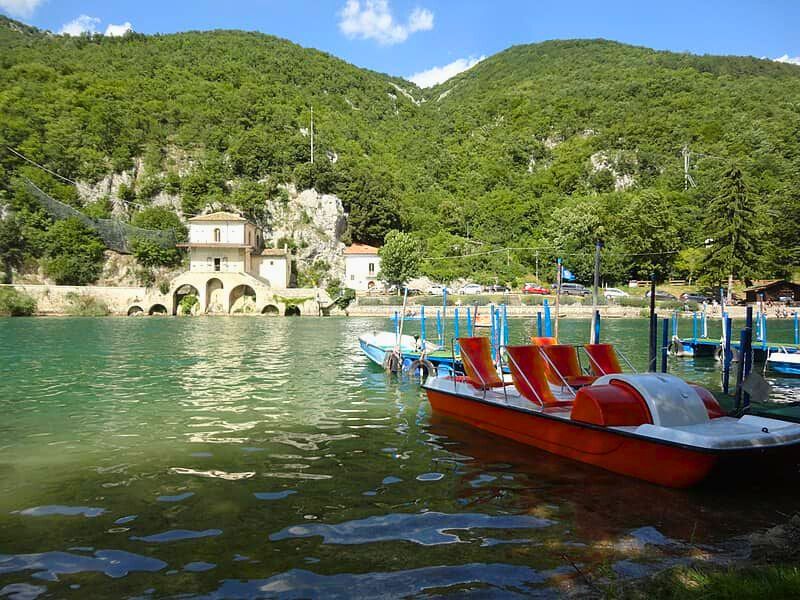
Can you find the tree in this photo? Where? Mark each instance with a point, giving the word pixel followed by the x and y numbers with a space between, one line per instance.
pixel 400 257
pixel 252 198
pixel 12 247
pixel 730 224
pixel 689 262
pixel 74 253
pixel 150 253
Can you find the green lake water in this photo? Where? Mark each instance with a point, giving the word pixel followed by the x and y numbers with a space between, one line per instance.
pixel 265 457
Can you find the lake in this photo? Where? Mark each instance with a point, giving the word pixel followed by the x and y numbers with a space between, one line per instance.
pixel 243 457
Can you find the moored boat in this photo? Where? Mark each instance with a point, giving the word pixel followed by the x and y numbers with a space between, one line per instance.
pixel 382 346
pixel 654 427
pixel 784 362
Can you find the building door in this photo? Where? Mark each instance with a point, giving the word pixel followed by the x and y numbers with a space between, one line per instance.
pixel 216 264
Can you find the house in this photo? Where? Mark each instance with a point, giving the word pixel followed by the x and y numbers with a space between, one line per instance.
pixel 361 267
pixel 224 242
pixel 778 290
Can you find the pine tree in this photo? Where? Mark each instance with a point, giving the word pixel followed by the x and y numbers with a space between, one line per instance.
pixel 730 224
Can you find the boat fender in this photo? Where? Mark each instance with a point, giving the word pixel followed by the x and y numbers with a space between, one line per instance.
pixel 392 363
pixel 424 366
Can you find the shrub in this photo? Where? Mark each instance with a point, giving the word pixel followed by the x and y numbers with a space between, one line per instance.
pixel 83 305
pixel 163 287
pixel 188 303
pixel 14 303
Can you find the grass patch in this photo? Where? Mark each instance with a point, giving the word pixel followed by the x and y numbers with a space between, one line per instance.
pixel 709 583
pixel 84 305
pixel 14 303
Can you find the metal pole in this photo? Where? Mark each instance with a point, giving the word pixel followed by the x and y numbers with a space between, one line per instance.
pixel 439 330
pixel 653 327
pixel 469 322
pixel 764 331
pixel 664 343
pixel 727 356
pixel 694 327
pixel 492 326
pixel 422 323
pixel 539 324
pixel 558 297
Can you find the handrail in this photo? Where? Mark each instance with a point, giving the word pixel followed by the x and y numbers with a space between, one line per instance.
pixel 555 369
pixel 500 364
pixel 525 377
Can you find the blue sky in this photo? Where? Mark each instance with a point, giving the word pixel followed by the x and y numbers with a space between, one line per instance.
pixel 407 37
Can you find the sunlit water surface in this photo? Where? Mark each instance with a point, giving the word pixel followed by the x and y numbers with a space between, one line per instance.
pixel 245 457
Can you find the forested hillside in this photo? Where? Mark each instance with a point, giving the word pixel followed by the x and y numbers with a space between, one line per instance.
pixel 548 146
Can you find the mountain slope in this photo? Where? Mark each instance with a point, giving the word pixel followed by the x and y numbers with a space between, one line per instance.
pixel 546 145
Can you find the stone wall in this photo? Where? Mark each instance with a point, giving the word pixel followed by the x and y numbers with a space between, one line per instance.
pixel 52 299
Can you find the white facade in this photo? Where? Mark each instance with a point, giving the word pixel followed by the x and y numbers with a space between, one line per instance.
pixel 275 267
pixel 361 267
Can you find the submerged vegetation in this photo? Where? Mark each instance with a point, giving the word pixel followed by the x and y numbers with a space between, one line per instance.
pixel 542 148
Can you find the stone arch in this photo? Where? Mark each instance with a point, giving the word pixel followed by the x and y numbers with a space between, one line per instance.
pixel 158 309
pixel 181 292
pixel 135 310
pixel 242 299
pixel 292 311
pixel 270 310
pixel 215 295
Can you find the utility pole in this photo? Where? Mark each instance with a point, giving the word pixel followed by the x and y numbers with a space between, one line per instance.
pixel 537 267
pixel 312 135
pixel 597 246
pixel 687 178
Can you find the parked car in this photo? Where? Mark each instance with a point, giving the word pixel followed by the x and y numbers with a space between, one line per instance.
pixel 439 290
pixel 471 288
pixel 615 293
pixel 532 288
pixel 662 295
pixel 573 289
pixel 498 289
pixel 694 297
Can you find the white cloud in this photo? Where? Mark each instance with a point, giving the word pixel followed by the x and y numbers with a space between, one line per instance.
pixel 788 59
pixel 83 24
pixel 373 20
pixel 118 30
pixel 20 8
pixel 436 75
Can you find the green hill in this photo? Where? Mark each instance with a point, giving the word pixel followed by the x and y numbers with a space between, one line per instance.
pixel 543 146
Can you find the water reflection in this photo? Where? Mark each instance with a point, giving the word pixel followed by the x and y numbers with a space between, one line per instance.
pixel 230 456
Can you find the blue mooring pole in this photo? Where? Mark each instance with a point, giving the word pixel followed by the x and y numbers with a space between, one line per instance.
pixel 694 327
pixel 597 327
pixel 675 317
pixel 745 360
pixel 796 328
pixel 548 325
pixel 492 327
pixel 664 344
pixel 505 325
pixel 727 356
pixel 439 330
pixel 764 331
pixel 422 324
pixel 455 329
pixel 539 324
pixel 469 322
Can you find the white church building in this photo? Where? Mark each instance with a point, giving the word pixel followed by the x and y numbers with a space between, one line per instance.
pixel 361 267
pixel 229 272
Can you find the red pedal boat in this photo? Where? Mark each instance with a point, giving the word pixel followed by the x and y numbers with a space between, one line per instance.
pixel 652 426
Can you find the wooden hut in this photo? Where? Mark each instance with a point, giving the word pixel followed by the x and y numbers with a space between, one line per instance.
pixel 778 290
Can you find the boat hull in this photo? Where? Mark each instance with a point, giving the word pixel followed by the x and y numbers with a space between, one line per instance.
pixel 663 464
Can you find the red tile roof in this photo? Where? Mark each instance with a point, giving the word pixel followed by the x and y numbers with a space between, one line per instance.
pixel 361 249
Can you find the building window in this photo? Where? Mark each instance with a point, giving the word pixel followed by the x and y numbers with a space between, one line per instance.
pixel 352 277
pixel 217 235
pixel 217 263
pixel 249 238
pixel 371 268
pixel 272 262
